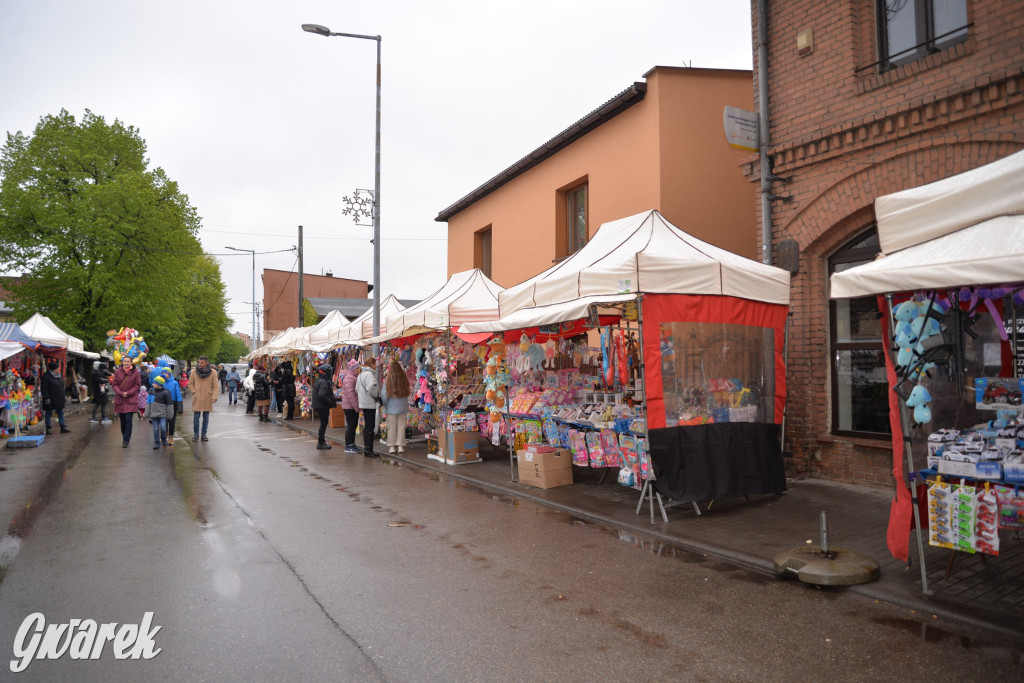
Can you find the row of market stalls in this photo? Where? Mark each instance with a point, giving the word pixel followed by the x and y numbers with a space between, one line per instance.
pixel 24 349
pixel 950 283
pixel 648 352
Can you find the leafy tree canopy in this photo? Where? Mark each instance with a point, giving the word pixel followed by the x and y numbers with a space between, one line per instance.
pixel 104 241
pixel 231 349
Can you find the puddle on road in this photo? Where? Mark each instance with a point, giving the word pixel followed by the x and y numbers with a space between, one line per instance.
pixel 929 633
pixel 184 462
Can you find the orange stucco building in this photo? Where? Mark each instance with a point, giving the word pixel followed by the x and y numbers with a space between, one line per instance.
pixel 659 144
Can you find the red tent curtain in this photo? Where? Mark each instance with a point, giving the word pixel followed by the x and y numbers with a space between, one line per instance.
pixel 727 310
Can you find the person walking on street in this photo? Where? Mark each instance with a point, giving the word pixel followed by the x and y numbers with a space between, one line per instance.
pixel 323 400
pixel 53 395
pixel 396 406
pixel 261 389
pixel 233 379
pixel 160 408
pixel 127 381
pixel 222 376
pixel 276 375
pixel 203 385
pixel 250 394
pixel 350 404
pixel 179 407
pixel 288 388
pixel 99 382
pixel 368 392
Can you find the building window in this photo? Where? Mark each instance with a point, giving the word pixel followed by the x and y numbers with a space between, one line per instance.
pixel 482 250
pixel 576 218
pixel 860 390
pixel 912 29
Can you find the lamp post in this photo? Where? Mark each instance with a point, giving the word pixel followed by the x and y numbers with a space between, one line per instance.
pixel 253 252
pixel 324 31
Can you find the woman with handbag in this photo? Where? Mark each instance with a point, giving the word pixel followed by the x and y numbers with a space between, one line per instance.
pixel 126 383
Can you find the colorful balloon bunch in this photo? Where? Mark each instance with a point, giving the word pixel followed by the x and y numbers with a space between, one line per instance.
pixel 127 342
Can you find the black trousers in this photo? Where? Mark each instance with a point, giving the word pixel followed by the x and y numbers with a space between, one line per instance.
pixel 351 422
pixel 250 402
pixel 279 395
pixel 291 407
pixel 369 422
pixel 324 414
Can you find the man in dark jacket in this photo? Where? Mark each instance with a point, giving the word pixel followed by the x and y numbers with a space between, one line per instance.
pixel 222 375
pixel 323 400
pixel 276 376
pixel 288 389
pixel 98 384
pixel 53 395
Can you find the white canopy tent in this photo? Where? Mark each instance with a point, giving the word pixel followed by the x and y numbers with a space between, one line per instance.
pixel 967 229
pixel 46 332
pixel 8 349
pixel 639 254
pixel 262 350
pixel 319 336
pixel 469 296
pixel 292 340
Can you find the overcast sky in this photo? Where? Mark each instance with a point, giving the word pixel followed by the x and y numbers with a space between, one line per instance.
pixel 266 127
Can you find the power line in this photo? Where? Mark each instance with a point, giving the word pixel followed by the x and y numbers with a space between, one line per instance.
pixel 131 245
pixel 350 239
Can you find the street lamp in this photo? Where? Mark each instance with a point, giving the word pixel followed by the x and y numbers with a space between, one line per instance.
pixel 253 252
pixel 324 31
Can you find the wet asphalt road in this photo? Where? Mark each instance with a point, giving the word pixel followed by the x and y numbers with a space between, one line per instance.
pixel 265 559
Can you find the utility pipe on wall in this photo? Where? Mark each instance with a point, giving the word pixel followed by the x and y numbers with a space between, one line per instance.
pixel 764 138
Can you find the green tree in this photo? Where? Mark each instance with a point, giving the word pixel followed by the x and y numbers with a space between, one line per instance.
pixel 231 349
pixel 103 240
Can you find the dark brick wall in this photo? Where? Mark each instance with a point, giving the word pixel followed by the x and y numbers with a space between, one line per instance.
pixel 846 133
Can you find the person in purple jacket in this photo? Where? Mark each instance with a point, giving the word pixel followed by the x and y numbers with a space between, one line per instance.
pixel 350 404
pixel 126 382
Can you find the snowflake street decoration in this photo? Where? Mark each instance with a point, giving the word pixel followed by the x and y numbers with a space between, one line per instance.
pixel 359 205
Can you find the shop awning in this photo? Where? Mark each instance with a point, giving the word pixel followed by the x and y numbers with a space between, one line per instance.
pixel 641 254
pixel 41 328
pixel 12 332
pixel 967 229
pixel 466 297
pixel 991 252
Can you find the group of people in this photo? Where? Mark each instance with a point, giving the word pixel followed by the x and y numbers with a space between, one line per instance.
pixel 264 388
pixel 361 393
pixel 157 396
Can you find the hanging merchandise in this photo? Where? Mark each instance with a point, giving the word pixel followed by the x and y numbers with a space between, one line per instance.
pixel 987 532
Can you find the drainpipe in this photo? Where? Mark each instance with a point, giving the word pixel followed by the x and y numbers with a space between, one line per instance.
pixel 764 138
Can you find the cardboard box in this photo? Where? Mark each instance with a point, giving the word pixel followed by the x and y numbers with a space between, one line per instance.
pixel 545 470
pixel 337 418
pixel 459 446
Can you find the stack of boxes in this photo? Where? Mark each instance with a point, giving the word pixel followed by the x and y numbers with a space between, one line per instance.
pixel 544 466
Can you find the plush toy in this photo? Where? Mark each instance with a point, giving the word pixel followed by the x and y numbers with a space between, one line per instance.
pixel 918 400
pixel 549 354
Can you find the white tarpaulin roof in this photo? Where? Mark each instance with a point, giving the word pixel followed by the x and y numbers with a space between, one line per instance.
pixel 964 230
pixel 639 254
pixel 320 334
pixel 922 213
pixel 46 332
pixel 262 350
pixel 290 341
pixel 469 296
pixel 8 349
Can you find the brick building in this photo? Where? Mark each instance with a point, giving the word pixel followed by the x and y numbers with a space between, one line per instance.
pixel 866 99
pixel 281 296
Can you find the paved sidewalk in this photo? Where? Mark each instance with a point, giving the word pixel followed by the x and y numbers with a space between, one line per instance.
pixel 983 592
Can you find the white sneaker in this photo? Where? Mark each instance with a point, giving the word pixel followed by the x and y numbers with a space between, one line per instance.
pixel 94 421
pixel 401 449
pixel 106 421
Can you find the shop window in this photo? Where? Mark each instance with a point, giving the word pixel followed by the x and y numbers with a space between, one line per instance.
pixel 911 29
pixel 860 398
pixel 482 250
pixel 576 218
pixel 715 372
